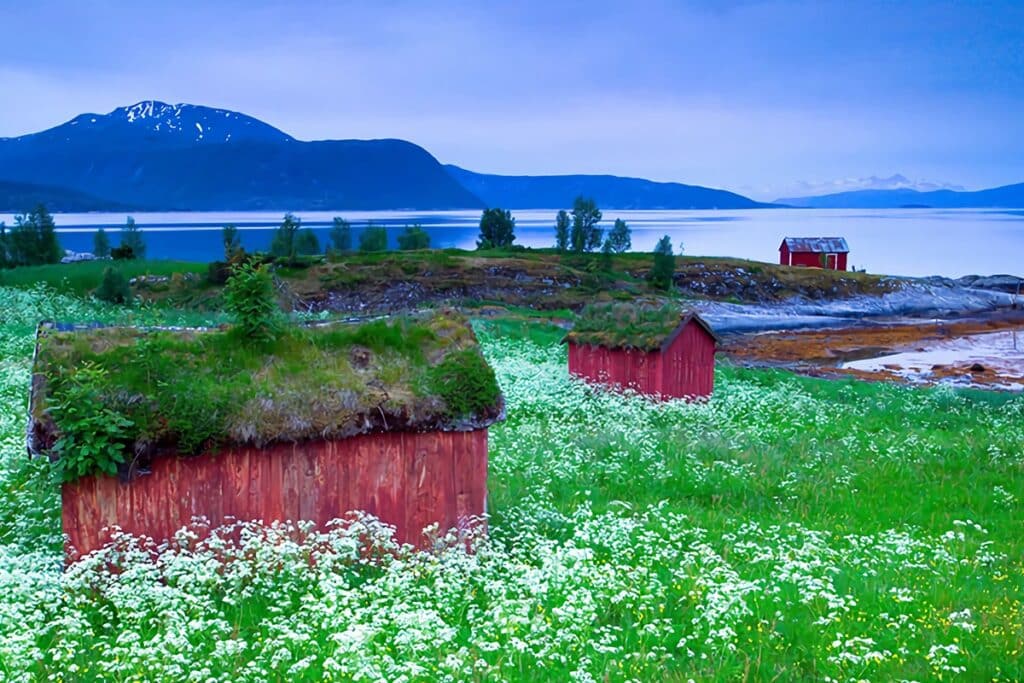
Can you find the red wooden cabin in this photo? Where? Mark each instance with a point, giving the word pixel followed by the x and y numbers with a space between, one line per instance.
pixel 407 466
pixel 814 252
pixel 681 364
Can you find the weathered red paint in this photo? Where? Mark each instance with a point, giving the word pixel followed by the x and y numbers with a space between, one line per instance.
pixel 410 480
pixel 810 259
pixel 684 369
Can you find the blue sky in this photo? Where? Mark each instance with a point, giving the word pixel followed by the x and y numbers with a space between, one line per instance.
pixel 766 98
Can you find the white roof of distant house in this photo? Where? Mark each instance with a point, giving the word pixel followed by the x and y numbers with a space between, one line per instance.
pixel 817 245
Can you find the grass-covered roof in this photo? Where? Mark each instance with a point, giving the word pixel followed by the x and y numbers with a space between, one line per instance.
pixel 630 326
pixel 195 390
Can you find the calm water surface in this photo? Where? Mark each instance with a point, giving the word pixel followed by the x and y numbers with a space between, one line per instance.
pixel 900 242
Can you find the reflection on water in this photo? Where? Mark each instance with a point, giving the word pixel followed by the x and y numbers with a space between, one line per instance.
pixel 950 242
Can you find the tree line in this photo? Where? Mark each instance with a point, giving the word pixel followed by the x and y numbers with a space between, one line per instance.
pixel 33 239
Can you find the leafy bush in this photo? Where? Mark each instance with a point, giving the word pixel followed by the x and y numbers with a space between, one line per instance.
pixel 114 287
pixel 93 437
pixel 122 253
pixel 249 297
pixel 373 238
pixel 414 237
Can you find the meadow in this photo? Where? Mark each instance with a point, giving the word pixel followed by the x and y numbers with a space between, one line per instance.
pixel 787 529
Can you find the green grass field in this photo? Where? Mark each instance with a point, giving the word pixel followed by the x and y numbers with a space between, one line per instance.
pixel 82 278
pixel 788 529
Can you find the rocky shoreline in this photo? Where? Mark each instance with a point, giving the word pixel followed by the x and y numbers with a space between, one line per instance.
pixel 929 298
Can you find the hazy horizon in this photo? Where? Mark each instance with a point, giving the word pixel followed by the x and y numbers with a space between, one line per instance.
pixel 768 99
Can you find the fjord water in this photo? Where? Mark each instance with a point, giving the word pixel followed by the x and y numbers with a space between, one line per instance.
pixel 913 242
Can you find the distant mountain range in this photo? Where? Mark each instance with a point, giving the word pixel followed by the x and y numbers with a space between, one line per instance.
pixel 554 191
pixel 157 156
pixel 1008 196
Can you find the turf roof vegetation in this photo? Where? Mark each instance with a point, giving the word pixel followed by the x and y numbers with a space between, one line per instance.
pixel 195 390
pixel 624 325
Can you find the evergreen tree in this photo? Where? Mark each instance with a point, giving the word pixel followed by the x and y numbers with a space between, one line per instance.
pixel 373 238
pixel 33 240
pixel 414 237
pixel 283 243
pixel 131 238
pixel 341 235
pixel 232 242
pixel 114 287
pixel 562 231
pixel 101 244
pixel 4 258
pixel 585 235
pixel 497 229
pixel 306 243
pixel 664 268
pixel 620 238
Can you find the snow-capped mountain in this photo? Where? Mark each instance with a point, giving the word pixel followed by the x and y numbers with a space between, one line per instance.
pixel 159 156
pixel 897 181
pixel 162 123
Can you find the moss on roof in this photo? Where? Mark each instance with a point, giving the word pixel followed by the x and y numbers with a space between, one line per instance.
pixel 194 390
pixel 626 325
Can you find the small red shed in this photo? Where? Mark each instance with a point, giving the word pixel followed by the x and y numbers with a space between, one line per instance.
pixel 386 417
pixel 814 252
pixel 661 352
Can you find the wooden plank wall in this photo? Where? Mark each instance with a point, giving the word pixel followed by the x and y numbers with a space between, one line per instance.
pixel 685 370
pixel 626 368
pixel 406 479
pixel 689 364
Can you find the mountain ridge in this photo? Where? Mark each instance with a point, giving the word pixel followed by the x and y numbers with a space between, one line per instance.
pixel 609 191
pixel 190 157
pixel 1005 196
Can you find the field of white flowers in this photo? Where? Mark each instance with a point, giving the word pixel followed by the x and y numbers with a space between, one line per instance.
pixel 788 529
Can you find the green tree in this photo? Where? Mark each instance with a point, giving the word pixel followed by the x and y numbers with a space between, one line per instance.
pixel 131 237
pixel 607 252
pixel 249 298
pixel 4 259
pixel 661 273
pixel 562 231
pixel 114 287
pixel 414 237
pixel 101 244
pixel 33 239
pixel 497 229
pixel 283 243
pixel 232 242
pixel 341 235
pixel 620 237
pixel 373 238
pixel 306 243
pixel 585 235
